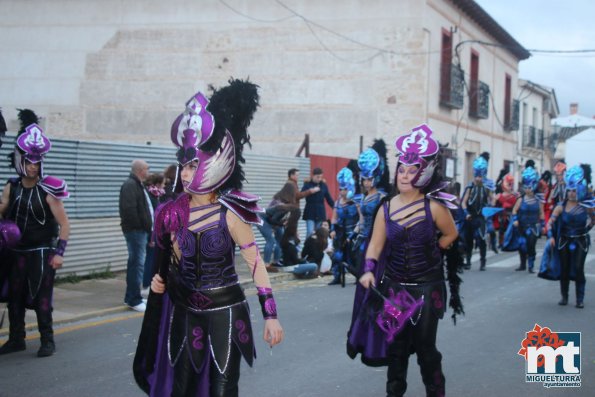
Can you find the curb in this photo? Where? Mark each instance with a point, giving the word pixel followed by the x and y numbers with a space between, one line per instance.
pixel 245 283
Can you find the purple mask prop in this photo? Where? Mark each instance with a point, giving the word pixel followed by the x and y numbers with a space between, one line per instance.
pixel 417 148
pixel 31 146
pixel 398 309
pixel 189 132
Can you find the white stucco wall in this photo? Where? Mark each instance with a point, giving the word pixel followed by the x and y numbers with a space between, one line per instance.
pixel 122 70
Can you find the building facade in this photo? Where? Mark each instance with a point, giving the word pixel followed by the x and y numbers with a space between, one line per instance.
pixel 538 107
pixel 342 72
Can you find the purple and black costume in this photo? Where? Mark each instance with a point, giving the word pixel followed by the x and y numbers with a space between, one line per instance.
pixel 195 334
pixel 26 277
pixel 410 277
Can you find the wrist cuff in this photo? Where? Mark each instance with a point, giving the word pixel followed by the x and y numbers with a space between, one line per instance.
pixel 267 303
pixel 61 247
pixel 370 265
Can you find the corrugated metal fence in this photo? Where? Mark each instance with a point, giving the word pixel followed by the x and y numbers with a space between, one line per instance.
pixel 95 171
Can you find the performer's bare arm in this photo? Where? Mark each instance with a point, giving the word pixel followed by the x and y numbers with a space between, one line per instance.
pixel 4 200
pixel 243 235
pixel 57 208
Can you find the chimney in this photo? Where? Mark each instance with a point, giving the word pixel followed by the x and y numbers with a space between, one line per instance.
pixel 573 108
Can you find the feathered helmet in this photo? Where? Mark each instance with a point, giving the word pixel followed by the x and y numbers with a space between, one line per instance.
pixel 213 132
pixel 346 182
pixel 530 178
pixel 508 182
pixel 419 148
pixel 560 168
pixel 371 165
pixel 480 165
pixel 31 144
pixel 578 178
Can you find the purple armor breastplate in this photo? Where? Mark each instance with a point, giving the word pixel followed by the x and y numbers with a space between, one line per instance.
pixel 208 254
pixel 414 255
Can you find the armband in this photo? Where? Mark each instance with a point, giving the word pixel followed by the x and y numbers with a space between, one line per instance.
pixel 370 265
pixel 61 247
pixel 267 303
pixel 332 227
pixel 550 234
pixel 515 217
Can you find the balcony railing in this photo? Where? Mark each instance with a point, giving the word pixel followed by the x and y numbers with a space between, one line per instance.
pixel 532 137
pixel 513 123
pixel 452 91
pixel 479 100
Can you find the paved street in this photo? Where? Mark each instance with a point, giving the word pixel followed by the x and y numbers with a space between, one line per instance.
pixel 480 358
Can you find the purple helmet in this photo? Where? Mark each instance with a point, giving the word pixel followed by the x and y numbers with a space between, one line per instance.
pixel 189 132
pixel 419 148
pixel 31 146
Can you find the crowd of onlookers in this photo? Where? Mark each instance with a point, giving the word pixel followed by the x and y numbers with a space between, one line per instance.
pixel 284 250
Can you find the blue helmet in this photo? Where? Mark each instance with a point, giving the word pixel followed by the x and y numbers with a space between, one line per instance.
pixel 345 180
pixel 575 180
pixel 370 165
pixel 530 178
pixel 480 167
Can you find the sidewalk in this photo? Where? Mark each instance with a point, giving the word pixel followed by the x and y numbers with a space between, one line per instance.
pixel 102 297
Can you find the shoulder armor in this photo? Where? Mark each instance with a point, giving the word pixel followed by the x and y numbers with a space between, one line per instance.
pixel 244 205
pixel 55 187
pixel 171 216
pixel 446 199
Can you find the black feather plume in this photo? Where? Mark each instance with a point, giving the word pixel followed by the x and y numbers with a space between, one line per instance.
pixel 529 163
pixel 233 107
pixel 380 147
pixel 2 125
pixel 26 118
pixel 587 171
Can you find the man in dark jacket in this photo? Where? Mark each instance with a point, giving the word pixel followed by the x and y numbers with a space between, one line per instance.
pixel 136 214
pixel 314 212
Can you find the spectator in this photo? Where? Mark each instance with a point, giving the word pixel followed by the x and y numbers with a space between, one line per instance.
pixel 315 246
pixel 169 176
pixel 154 184
pixel 136 221
pixel 314 212
pixel 291 259
pixel 293 176
pixel 274 220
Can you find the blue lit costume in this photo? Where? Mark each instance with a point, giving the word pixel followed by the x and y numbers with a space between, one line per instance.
pixel 346 219
pixel 475 228
pixel 371 166
pixel 571 233
pixel 528 217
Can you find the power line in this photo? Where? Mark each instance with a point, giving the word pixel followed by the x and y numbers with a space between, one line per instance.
pixel 255 19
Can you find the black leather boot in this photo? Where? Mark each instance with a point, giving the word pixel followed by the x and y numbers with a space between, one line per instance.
pixel 523 265
pixel 13 345
pixel 531 263
pixel 564 292
pixel 47 348
pixel 396 376
pixel 580 295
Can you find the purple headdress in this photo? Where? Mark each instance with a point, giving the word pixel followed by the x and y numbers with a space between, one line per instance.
pixel 419 148
pixel 32 145
pixel 189 132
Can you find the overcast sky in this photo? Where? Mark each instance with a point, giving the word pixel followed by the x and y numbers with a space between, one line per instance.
pixel 555 25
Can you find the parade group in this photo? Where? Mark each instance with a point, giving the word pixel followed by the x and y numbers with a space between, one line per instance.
pixel 407 243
